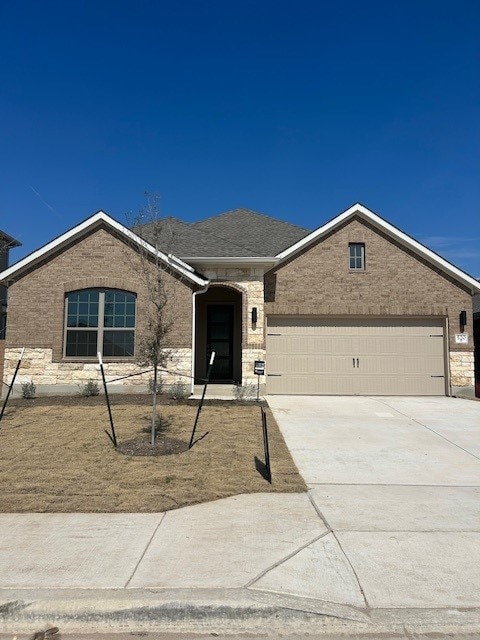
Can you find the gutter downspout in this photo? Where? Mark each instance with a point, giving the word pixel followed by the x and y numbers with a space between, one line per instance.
pixel 194 307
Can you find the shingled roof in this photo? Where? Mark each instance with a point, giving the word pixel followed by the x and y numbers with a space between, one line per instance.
pixel 236 233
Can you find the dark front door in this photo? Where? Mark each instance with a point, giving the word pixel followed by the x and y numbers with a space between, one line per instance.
pixel 220 340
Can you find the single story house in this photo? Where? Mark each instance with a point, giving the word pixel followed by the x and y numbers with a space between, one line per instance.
pixel 355 307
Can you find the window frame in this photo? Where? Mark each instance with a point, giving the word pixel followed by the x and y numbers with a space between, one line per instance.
pixel 100 328
pixel 356 257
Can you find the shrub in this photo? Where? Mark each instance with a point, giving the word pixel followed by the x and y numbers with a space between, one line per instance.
pixel 88 389
pixel 179 390
pixel 28 390
pixel 244 391
pixel 160 386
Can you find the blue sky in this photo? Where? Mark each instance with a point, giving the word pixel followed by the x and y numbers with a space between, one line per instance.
pixel 295 109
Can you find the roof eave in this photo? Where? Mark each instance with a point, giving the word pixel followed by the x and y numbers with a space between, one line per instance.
pixel 232 259
pixel 10 240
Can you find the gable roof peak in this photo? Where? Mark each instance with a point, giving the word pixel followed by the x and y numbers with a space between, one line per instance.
pixel 81 229
pixel 243 212
pixel 260 235
pixel 390 230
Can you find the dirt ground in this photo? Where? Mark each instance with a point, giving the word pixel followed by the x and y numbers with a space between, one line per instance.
pixel 56 457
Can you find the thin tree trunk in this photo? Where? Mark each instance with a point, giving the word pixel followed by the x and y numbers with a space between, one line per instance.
pixel 154 403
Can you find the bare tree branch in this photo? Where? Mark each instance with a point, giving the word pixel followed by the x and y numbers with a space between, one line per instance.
pixel 158 282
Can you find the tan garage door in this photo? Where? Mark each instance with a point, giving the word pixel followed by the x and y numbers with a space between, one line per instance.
pixel 364 356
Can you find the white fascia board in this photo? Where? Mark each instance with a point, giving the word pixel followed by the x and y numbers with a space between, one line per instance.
pixel 101 216
pixel 390 229
pixel 50 246
pixel 318 233
pixel 232 260
pixel 179 265
pixel 180 262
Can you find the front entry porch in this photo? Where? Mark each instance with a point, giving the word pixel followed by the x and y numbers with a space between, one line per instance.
pixel 218 327
pixel 214 392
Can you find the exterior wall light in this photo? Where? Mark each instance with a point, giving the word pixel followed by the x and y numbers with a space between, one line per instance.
pixel 254 315
pixel 463 319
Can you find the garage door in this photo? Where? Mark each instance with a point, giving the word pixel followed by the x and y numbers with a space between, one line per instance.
pixel 365 356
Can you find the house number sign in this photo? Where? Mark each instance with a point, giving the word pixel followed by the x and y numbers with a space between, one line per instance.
pixel 461 338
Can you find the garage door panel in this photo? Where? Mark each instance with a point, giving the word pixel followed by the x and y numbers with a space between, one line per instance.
pixel 394 385
pixel 398 365
pixel 304 345
pixel 395 356
pixel 396 345
pixel 309 364
pixel 308 385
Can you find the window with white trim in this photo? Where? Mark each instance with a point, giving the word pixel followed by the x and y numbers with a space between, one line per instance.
pixel 99 320
pixel 356 256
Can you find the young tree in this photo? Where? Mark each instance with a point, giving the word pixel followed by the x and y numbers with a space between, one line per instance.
pixel 157 279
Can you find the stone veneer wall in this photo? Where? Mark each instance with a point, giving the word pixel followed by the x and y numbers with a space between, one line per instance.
pixel 37 367
pixel 249 281
pixel 462 372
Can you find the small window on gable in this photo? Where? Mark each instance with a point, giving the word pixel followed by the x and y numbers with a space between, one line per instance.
pixel 99 320
pixel 356 256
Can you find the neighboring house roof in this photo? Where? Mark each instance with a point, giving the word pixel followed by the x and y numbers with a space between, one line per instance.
pixel 358 210
pixel 6 243
pixel 239 233
pixel 8 240
pixel 81 229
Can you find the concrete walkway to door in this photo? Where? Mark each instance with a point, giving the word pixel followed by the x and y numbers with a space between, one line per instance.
pixel 397 482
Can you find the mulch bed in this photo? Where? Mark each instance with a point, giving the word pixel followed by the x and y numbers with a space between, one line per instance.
pixel 164 446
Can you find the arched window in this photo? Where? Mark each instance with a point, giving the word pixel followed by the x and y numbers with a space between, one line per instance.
pixel 99 320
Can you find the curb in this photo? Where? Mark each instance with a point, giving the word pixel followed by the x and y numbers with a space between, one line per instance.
pixel 234 611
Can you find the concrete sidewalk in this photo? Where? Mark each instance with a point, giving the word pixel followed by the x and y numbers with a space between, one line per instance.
pixel 181 570
pixel 252 563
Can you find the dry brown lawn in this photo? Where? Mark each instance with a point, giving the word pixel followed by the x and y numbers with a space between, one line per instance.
pixel 57 458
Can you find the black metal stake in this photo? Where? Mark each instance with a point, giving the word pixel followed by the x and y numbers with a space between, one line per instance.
pixel 265 444
pixel 207 379
pixel 112 437
pixel 153 431
pixel 12 383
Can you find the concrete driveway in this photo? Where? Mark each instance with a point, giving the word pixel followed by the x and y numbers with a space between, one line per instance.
pixel 397 482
